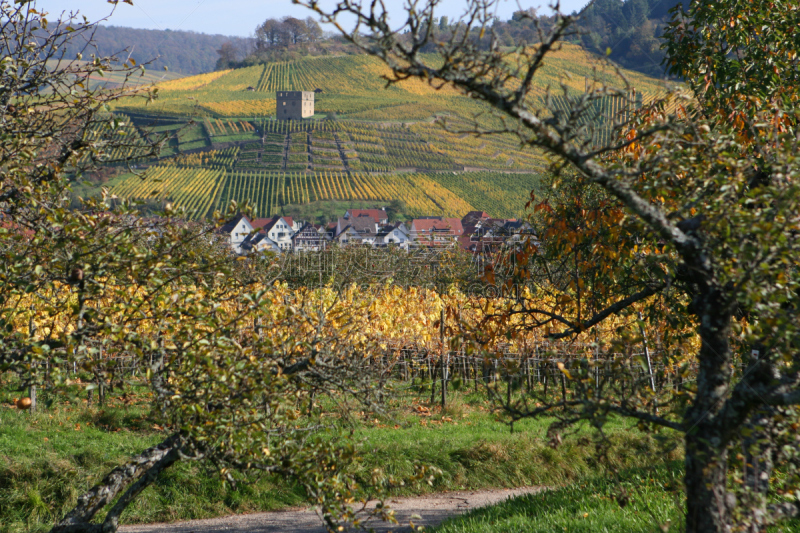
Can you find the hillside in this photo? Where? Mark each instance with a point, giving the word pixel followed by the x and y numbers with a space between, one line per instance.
pixel 353 87
pixel 323 161
pixel 226 145
pixel 631 30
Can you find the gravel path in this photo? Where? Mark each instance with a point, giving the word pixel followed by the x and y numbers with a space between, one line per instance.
pixel 433 509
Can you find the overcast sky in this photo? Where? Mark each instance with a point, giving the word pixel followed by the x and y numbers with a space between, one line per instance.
pixel 234 17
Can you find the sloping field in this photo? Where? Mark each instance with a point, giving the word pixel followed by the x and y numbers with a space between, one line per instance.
pixel 452 194
pixel 354 87
pixel 382 147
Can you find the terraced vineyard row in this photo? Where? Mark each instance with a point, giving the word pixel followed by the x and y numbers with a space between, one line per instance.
pixel 190 187
pixel 501 152
pixel 605 115
pixel 202 190
pixel 500 194
pixel 126 140
pixel 365 146
pixel 213 158
pixel 354 87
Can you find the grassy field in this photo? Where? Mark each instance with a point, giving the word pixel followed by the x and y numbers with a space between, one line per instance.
pixel 51 456
pixel 642 501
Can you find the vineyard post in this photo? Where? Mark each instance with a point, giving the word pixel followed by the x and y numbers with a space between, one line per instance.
pixel 527 363
pixel 32 387
pixel 433 377
pixel 444 357
pixel 596 358
pixel 647 353
pixel 509 377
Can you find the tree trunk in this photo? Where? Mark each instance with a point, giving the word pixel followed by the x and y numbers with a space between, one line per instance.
pixel 137 473
pixel 758 464
pixel 708 509
pixel 707 500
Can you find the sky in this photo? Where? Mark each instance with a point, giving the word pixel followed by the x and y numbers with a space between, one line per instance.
pixel 236 17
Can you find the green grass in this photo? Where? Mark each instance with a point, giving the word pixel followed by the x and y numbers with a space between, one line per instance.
pixel 640 500
pixel 251 136
pixel 652 498
pixel 191 134
pixel 193 145
pixel 54 455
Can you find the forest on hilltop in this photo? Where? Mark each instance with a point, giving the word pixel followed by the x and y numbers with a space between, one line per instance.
pixel 185 52
pixel 631 29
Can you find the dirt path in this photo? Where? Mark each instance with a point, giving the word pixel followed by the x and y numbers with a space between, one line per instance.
pixel 433 509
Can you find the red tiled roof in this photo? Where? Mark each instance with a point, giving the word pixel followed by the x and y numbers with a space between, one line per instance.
pixel 263 225
pixel 476 215
pixel 451 226
pixel 377 214
pixel 259 223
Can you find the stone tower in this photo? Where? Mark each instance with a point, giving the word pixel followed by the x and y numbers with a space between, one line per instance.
pixel 295 105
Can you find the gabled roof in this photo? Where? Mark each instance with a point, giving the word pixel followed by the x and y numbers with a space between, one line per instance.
pixel 266 224
pixel 472 218
pixel 259 223
pixel 349 231
pixel 254 239
pixel 269 225
pixel 364 225
pixel 307 228
pixel 230 225
pixel 377 214
pixel 451 226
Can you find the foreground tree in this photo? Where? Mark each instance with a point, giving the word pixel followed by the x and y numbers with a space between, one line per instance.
pixel 230 364
pixel 690 217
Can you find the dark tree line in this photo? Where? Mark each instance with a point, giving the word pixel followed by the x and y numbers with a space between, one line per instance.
pixel 285 39
pixel 180 51
pixel 631 29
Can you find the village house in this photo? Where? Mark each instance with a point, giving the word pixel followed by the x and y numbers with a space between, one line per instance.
pixel 348 236
pixel 393 235
pixel 259 242
pixel 436 231
pixel 237 230
pixel 365 225
pixel 278 229
pixel 473 220
pixel 308 239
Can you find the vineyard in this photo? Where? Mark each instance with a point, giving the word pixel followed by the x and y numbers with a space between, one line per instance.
pixel 234 150
pixel 191 187
pixel 353 87
pixel 204 189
